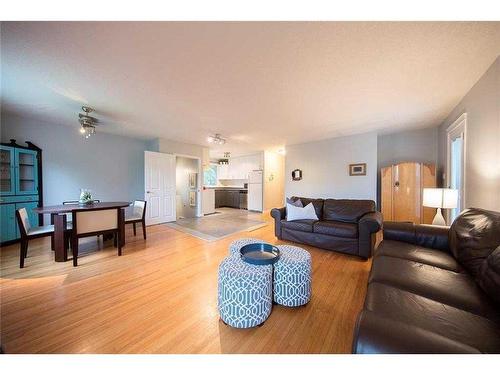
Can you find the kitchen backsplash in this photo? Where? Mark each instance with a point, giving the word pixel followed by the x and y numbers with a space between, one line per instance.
pixel 233 182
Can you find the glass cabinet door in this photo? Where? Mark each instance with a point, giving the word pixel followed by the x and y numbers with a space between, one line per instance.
pixel 27 172
pixel 7 180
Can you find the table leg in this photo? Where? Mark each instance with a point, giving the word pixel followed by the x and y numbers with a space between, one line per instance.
pixel 121 223
pixel 61 252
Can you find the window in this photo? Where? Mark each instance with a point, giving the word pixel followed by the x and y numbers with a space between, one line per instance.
pixel 210 175
pixel 456 162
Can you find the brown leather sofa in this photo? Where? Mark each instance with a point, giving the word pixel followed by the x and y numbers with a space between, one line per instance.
pixel 434 289
pixel 344 225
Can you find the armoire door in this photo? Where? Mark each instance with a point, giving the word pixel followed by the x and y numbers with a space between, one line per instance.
pixel 406 192
pixel 386 185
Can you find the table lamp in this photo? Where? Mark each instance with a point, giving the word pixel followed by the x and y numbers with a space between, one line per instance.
pixel 440 198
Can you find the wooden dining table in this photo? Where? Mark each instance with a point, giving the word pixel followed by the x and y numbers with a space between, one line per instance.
pixel 60 221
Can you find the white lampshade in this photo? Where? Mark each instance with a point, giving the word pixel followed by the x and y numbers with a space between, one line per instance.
pixel 440 198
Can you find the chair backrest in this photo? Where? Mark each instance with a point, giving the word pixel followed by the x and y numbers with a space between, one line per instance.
pixel 23 221
pixel 95 221
pixel 139 208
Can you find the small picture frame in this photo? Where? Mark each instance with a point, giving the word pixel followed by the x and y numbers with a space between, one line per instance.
pixel 358 169
pixel 192 198
pixel 297 175
pixel 192 180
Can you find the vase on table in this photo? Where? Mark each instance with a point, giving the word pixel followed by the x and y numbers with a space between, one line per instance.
pixel 86 196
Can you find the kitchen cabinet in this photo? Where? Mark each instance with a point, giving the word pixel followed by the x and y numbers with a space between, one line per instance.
pixel 208 200
pixel 227 198
pixel 239 167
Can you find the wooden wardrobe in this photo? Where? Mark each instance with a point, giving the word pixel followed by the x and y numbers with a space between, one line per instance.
pixel 401 192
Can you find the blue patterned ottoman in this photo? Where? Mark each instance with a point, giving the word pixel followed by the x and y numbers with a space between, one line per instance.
pixel 245 293
pixel 292 276
pixel 235 246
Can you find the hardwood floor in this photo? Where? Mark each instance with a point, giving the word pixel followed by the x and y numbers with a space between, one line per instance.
pixel 161 297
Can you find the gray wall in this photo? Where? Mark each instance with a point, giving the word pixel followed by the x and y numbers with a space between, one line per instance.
pixel 111 166
pixel 420 145
pixel 325 168
pixel 482 166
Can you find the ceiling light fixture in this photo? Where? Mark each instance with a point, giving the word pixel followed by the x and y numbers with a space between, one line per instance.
pixel 216 139
pixel 88 123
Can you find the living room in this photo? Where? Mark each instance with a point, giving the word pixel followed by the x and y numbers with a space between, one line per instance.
pixel 250 187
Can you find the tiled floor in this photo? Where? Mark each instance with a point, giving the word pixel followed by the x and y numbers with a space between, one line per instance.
pixel 213 227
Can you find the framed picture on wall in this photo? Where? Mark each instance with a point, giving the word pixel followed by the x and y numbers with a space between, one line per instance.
pixel 192 180
pixel 357 169
pixel 192 198
pixel 297 175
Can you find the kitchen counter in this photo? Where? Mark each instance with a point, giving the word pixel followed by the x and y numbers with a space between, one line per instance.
pixel 230 188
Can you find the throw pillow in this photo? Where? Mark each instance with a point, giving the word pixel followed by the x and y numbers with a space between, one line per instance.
pixel 300 213
pixel 296 203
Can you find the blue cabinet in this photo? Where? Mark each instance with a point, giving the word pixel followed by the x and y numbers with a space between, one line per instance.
pixel 26 172
pixel 20 186
pixel 7 170
pixel 8 225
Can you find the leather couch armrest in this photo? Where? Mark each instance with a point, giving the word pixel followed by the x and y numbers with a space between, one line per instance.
pixel 372 221
pixel 376 334
pixel 278 214
pixel 433 236
pixel 368 225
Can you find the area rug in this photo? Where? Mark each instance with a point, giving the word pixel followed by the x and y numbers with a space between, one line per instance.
pixel 214 227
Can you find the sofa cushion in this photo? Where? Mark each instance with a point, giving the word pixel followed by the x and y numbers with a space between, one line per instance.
pixel 489 279
pixel 299 225
pixel 420 254
pixel 294 202
pixel 336 228
pixel 378 334
pixel 346 210
pixel 448 321
pixel 451 288
pixel 317 203
pixel 474 235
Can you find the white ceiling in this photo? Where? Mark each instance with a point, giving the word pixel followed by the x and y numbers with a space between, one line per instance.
pixel 259 84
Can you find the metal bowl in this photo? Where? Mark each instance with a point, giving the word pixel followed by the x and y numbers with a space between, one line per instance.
pixel 260 253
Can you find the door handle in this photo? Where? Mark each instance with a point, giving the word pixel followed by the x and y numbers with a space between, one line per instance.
pixel 148 192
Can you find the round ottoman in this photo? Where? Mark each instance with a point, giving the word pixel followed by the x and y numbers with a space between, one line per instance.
pixel 245 293
pixel 292 276
pixel 235 246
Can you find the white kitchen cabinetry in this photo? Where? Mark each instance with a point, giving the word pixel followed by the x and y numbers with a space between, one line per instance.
pixel 208 201
pixel 239 167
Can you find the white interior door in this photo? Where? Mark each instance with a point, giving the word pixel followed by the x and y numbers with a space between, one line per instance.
pixel 159 179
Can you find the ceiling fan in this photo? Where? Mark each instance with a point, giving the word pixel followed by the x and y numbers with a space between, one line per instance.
pixel 87 122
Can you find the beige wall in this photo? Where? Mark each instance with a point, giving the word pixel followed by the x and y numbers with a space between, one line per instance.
pixel 274 180
pixel 482 165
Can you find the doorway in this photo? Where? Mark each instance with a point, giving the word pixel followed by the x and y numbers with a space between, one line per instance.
pixel 187 187
pixel 456 147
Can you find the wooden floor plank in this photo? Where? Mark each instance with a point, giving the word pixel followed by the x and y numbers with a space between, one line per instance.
pixel 161 297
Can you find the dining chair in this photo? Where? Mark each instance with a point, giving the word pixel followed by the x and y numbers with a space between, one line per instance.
pixel 29 233
pixel 88 223
pixel 138 215
pixel 68 215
